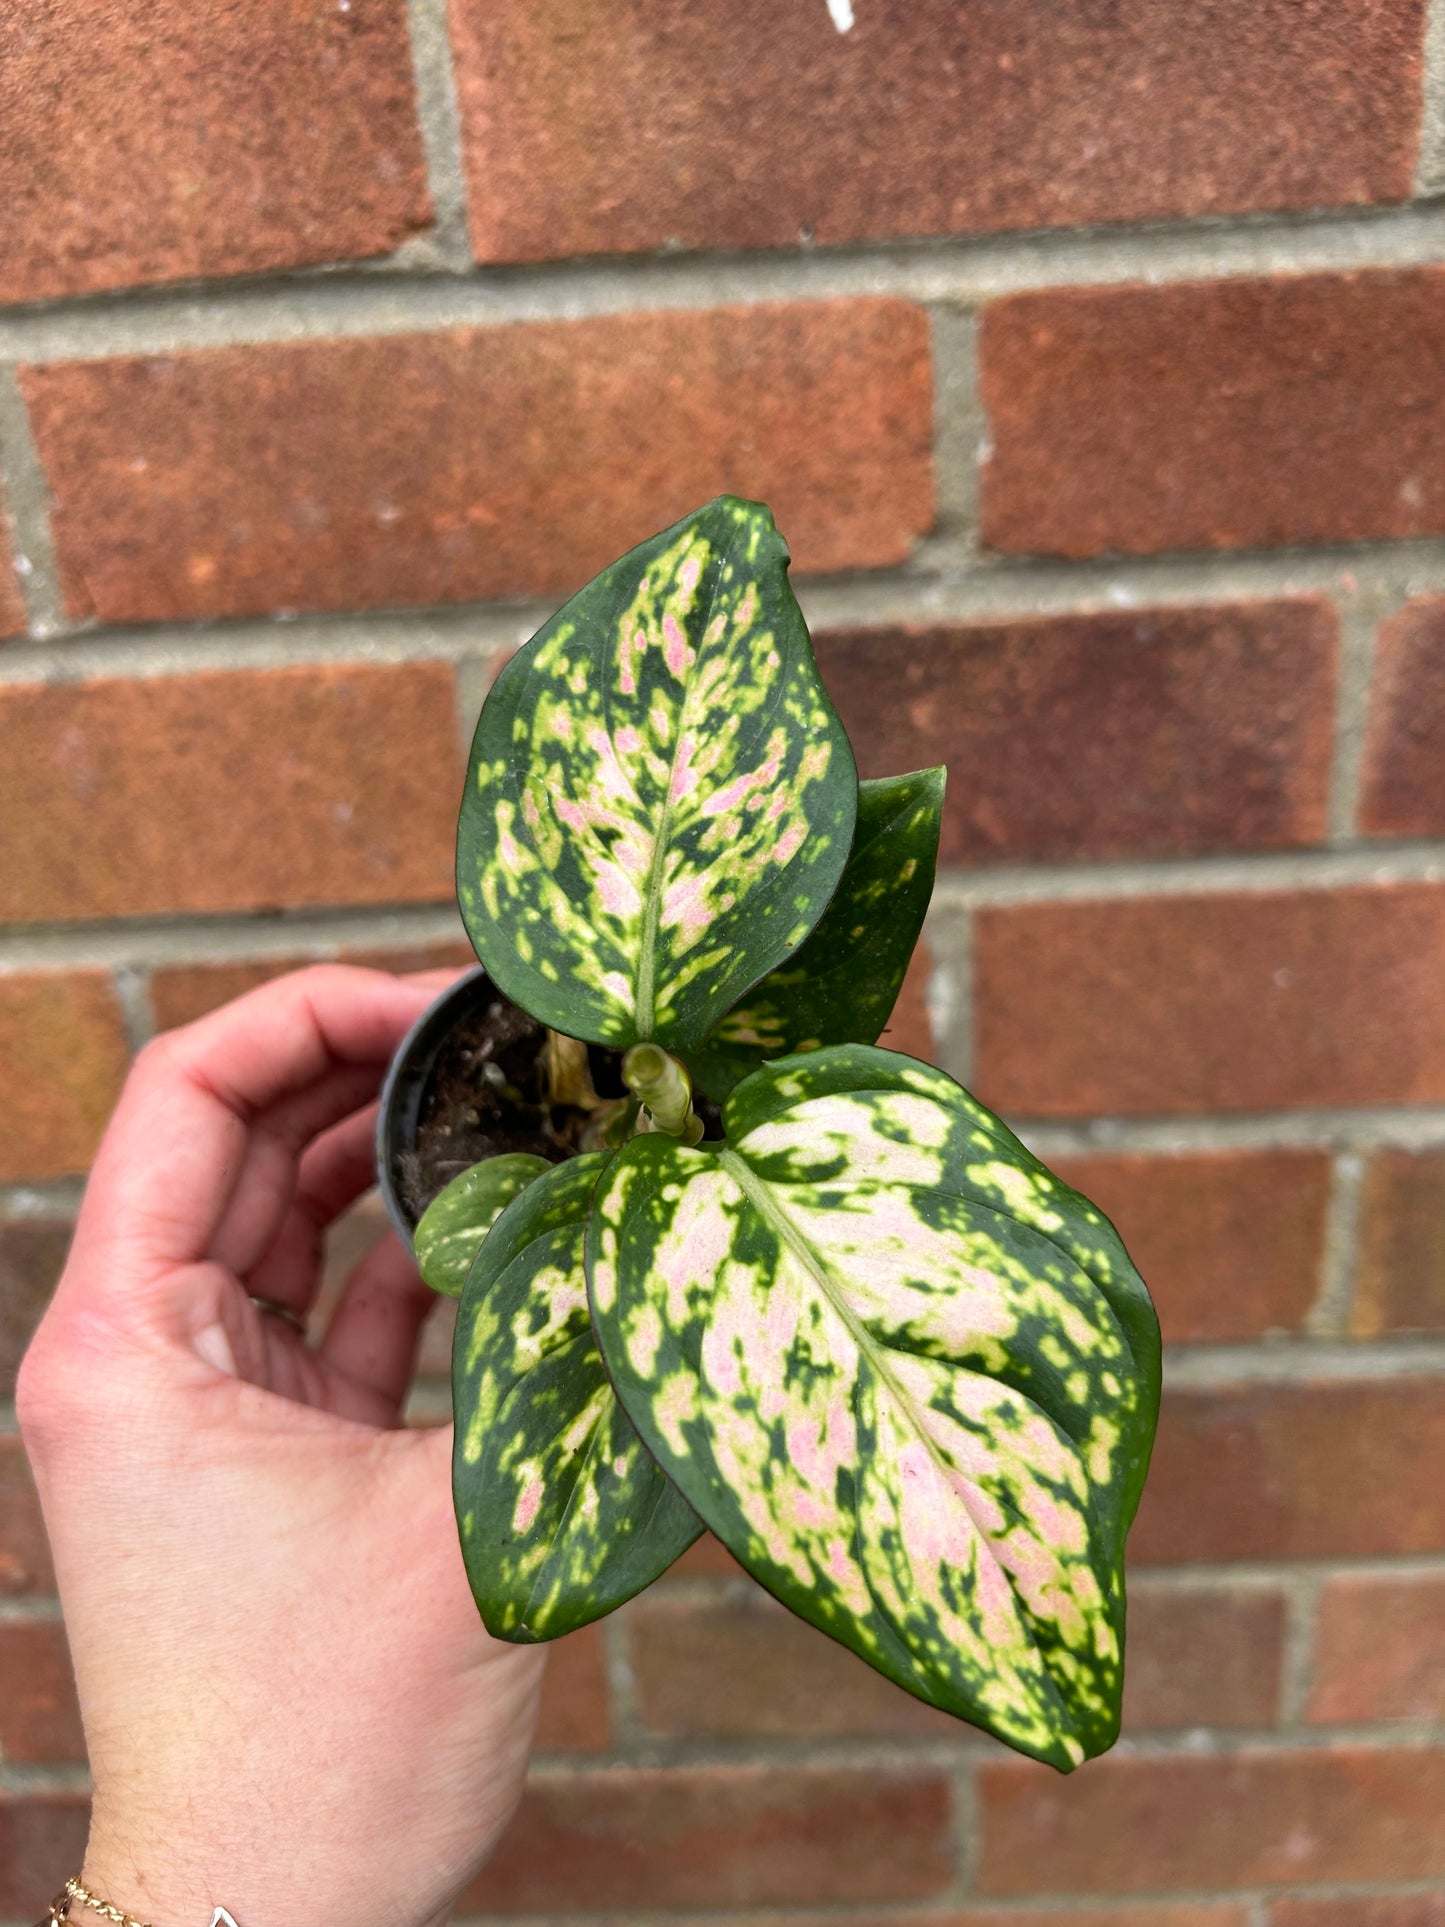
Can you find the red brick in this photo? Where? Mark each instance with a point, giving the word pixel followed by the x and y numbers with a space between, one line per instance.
pixel 720 1836
pixel 1229 414
pixel 63 1054
pixel 743 1667
pixel 739 1666
pixel 706 1558
pixel 32 1252
pixel 1230 1243
pixel 1161 731
pixel 910 1028
pixel 173 141
pixel 180 993
pixel 1257 1001
pixel 424 468
pixel 39 1713
pixel 42 1842
pixel 1140 1825
pixel 576 1712
pixel 1393 1910
pixel 229 790
pixel 13 617
pixel 1296 1471
pixel 1400 1278
pixel 755 125
pixel 1128 1914
pixel 25 1566
pixel 1380 1649
pixel 1203 1655
pixel 1403 793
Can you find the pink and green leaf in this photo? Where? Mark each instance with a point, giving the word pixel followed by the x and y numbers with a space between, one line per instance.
pixel 660 798
pixel 456 1221
pixel 904 1373
pixel 841 986
pixel 563 1513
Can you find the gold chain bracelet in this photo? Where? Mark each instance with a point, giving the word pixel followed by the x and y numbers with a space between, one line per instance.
pixel 72 1890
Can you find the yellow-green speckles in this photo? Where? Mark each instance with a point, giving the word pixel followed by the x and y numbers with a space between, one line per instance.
pixel 657 773
pixel 563 1513
pixel 885 1385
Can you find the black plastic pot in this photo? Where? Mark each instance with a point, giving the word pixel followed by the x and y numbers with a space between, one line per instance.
pixel 406 1083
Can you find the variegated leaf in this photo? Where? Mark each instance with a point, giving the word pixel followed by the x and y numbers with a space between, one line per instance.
pixel 660 799
pixel 905 1374
pixel 841 986
pixel 562 1511
pixel 454 1224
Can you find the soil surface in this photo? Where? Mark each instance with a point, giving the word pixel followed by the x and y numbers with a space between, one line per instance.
pixel 487 1093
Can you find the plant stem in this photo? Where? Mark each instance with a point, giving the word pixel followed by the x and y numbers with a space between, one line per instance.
pixel 664 1089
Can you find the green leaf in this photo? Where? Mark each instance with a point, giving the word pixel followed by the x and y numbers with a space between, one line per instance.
pixel 903 1372
pixel 562 1511
pixel 454 1224
pixel 660 798
pixel 841 986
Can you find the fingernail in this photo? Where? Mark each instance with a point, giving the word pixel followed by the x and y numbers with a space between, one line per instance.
pixel 215 1347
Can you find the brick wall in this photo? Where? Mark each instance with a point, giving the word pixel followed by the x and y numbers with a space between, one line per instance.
pixel 1093 358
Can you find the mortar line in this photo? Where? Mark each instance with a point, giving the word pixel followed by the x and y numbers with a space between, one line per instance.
pixel 1360 616
pixel 970 588
pixel 1008 885
pixel 1295 1360
pixel 629 1733
pixel 243 937
pixel 958 432
pixel 1430 167
pixel 966 1828
pixel 1297 1671
pixel 969 269
pixel 26 497
pixel 448 246
pixel 1329 1316
pixel 132 990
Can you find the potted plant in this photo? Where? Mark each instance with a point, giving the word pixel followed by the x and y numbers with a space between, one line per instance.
pixel 723 1262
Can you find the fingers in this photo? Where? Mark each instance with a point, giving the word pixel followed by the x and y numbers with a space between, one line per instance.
pixel 372 1339
pixel 283 1261
pixel 213 1116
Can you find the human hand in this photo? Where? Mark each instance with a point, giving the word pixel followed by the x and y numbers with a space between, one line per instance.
pixel 291 1707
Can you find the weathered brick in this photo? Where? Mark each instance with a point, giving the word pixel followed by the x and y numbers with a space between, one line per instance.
pixel 1268 1818
pixel 63 1053
pixel 720 1836
pixel 42 1842
pixel 1234 1002
pixel 576 1714
pixel 25 1567
pixel 1402 791
pixel 1389 1910
pixel 229 790
pixel 740 1666
pixel 1296 1471
pixel 13 618
pixel 1235 413
pixel 39 1713
pixel 1400 1279
pixel 32 1252
pixel 1160 731
pixel 424 468
pixel 1380 1649
pixel 180 993
pixel 754 125
pixel 159 143
pixel 1230 1243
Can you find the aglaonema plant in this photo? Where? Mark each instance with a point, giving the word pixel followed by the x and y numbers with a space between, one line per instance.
pixel 904 1373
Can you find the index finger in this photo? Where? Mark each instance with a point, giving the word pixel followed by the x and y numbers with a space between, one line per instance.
pixel 176 1145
